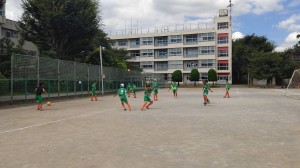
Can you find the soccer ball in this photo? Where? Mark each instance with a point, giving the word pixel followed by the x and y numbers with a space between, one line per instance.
pixel 49 103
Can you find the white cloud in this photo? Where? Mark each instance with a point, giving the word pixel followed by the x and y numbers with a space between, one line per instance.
pixel 289 42
pixel 237 35
pixel 292 38
pixel 13 9
pixel 292 23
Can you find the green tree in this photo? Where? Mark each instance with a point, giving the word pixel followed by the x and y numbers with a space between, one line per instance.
pixel 212 75
pixel 194 76
pixel 242 51
pixel 66 27
pixel 177 76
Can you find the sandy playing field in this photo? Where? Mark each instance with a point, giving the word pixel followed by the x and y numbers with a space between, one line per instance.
pixel 256 128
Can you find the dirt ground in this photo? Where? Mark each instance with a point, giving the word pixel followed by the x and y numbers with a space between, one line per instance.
pixel 255 128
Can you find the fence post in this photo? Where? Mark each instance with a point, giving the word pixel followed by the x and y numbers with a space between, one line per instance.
pixel 58 78
pixel 74 78
pixel 88 89
pixel 38 70
pixel 11 79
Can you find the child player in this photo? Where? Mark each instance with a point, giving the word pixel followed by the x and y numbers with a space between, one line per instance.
pixel 205 88
pixel 227 89
pixel 147 95
pixel 133 89
pixel 155 89
pixel 129 89
pixel 94 87
pixel 174 88
pixel 38 96
pixel 122 95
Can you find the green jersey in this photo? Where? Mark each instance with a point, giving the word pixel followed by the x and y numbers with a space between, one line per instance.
pixel 155 85
pixel 174 87
pixel 206 88
pixel 122 92
pixel 147 95
pixel 94 87
pixel 129 87
pixel 228 85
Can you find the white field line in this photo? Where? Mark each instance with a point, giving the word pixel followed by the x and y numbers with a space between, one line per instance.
pixel 50 122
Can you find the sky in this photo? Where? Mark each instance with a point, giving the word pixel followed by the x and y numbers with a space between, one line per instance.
pixel 278 20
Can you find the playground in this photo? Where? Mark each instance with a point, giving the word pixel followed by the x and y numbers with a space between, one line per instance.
pixel 255 128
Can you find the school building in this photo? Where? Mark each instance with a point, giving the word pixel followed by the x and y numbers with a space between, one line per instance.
pixel 8 29
pixel 161 52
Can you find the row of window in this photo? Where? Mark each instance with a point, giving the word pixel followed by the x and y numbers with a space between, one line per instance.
pixel 163 41
pixel 209 63
pixel 164 53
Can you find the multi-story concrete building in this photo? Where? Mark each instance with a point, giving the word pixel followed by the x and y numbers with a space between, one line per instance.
pixel 163 52
pixel 8 29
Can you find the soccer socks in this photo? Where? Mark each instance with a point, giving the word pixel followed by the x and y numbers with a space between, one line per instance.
pixel 123 106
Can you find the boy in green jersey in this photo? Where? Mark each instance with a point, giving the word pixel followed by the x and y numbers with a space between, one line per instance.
pixel 94 87
pixel 147 95
pixel 155 89
pixel 227 89
pixel 129 89
pixel 122 95
pixel 133 89
pixel 38 96
pixel 174 88
pixel 205 88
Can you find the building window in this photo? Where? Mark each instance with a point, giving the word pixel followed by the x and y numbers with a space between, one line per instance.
pixel 134 43
pixel 112 43
pixel 162 41
pixel 122 43
pixel 191 52
pixel 147 65
pixel 192 65
pixel 222 51
pixel 191 39
pixel 209 63
pixel 223 38
pixel 203 76
pixel 175 52
pixel 222 64
pixel 176 39
pixel 147 53
pixel 161 66
pixel 175 64
pixel 222 77
pixel 162 54
pixel 147 41
pixel 135 54
pixel 9 33
pixel 207 50
pixel 206 36
pixel 222 25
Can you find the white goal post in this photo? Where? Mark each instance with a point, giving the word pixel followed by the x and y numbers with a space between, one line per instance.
pixel 293 88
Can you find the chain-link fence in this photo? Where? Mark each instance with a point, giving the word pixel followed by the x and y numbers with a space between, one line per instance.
pixel 61 79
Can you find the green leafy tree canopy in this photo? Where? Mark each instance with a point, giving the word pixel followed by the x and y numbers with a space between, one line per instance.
pixel 65 27
pixel 194 76
pixel 177 76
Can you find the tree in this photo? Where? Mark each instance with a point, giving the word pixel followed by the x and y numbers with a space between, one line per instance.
pixel 177 76
pixel 110 57
pixel 194 76
pixel 65 27
pixel 212 75
pixel 243 50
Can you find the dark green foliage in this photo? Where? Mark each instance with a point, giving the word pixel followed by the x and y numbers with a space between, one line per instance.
pixel 212 75
pixel 65 27
pixel 177 76
pixel 194 76
pixel 243 50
